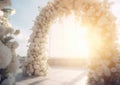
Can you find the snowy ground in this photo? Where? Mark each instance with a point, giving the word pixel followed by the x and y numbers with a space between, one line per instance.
pixel 56 76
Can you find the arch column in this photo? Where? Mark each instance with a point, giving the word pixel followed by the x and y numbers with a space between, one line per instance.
pixel 37 57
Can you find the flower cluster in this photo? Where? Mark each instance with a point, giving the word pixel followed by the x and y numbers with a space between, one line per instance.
pixel 9 62
pixel 94 14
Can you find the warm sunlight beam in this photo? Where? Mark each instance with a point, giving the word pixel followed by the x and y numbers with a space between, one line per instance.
pixel 72 40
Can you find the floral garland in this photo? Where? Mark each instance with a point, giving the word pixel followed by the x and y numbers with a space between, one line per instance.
pixel 94 14
pixel 9 62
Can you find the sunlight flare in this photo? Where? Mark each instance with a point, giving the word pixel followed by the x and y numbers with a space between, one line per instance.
pixel 75 37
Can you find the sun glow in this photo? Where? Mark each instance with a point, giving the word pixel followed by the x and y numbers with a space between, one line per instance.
pixel 72 40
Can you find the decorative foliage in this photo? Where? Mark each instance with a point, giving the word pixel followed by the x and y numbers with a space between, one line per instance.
pixel 8 61
pixel 94 14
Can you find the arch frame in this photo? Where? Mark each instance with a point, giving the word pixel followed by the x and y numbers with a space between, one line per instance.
pixel 94 14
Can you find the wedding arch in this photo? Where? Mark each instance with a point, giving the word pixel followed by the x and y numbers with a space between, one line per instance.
pixel 96 16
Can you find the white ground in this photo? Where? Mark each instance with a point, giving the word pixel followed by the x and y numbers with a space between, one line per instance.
pixel 56 76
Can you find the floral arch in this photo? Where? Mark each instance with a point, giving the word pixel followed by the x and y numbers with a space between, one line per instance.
pixel 96 15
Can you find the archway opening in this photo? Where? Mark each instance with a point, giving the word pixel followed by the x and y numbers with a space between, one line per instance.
pixel 70 40
pixel 67 38
pixel 101 37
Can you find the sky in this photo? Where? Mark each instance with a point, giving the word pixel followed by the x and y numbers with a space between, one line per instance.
pixel 26 11
pixel 23 19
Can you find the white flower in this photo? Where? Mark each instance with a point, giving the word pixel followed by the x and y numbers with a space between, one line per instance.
pixel 9 30
pixel 118 66
pixel 1 13
pixel 113 69
pixel 116 59
pixel 36 66
pixel 37 72
pixel 106 71
pixel 5 55
pixel 5 31
pixel 42 73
